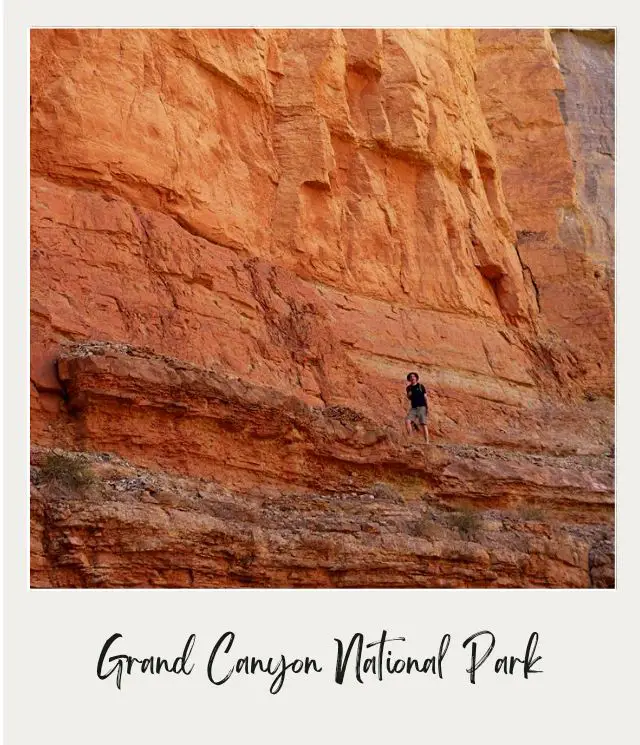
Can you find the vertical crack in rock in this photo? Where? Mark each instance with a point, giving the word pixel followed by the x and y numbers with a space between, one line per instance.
pixel 527 269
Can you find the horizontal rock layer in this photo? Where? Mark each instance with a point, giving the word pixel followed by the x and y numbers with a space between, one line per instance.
pixel 250 443
pixel 138 528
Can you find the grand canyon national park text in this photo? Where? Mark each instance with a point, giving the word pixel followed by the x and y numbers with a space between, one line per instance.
pixel 357 658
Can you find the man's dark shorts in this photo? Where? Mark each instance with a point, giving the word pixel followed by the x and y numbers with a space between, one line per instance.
pixel 417 415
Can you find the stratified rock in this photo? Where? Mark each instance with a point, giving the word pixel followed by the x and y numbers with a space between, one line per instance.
pixel 243 240
pixel 138 528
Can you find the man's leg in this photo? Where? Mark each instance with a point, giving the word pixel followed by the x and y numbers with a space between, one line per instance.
pixel 409 426
pixel 423 423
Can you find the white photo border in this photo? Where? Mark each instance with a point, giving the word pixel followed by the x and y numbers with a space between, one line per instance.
pixel 53 637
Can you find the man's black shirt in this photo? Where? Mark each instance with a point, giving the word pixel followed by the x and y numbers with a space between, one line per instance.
pixel 418 395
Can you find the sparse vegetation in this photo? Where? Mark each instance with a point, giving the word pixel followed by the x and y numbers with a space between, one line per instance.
pixel 530 514
pixel 467 522
pixel 382 490
pixel 426 527
pixel 66 470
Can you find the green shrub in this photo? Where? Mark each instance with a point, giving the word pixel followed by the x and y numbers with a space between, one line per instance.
pixel 468 522
pixel 65 470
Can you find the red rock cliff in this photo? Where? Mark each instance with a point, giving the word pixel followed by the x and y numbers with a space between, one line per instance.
pixel 243 240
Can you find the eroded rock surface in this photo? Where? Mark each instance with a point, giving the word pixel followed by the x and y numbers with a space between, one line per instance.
pixel 133 527
pixel 242 241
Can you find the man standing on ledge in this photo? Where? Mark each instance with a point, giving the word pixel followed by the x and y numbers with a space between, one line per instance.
pixel 417 416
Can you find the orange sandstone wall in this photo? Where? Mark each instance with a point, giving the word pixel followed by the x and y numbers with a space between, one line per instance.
pixel 319 211
pixel 549 102
pixel 243 240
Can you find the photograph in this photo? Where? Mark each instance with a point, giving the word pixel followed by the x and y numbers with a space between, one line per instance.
pixel 322 308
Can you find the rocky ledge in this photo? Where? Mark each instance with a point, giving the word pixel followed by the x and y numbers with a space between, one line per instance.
pixel 240 485
pixel 132 527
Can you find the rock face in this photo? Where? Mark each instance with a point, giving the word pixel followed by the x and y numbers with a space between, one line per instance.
pixel 133 527
pixel 243 240
pixel 550 110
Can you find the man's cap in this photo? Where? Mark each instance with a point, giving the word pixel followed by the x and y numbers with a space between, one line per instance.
pixel 413 373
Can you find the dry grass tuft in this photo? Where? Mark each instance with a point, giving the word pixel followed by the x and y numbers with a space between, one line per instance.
pixel 530 514
pixel 468 522
pixel 382 490
pixel 65 470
